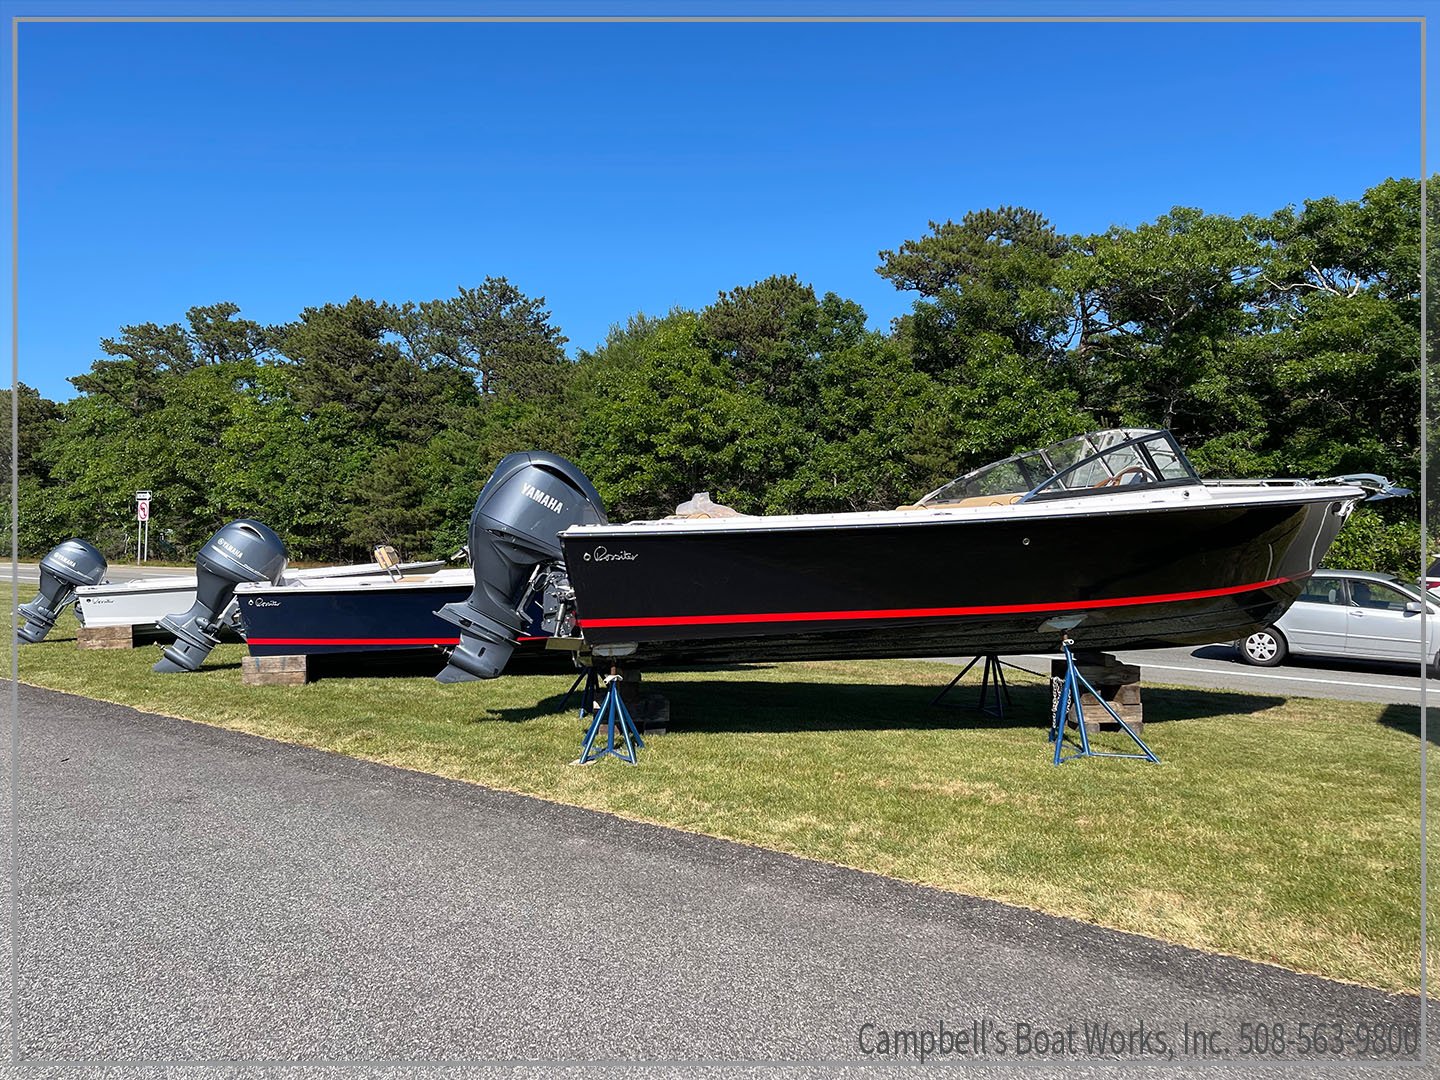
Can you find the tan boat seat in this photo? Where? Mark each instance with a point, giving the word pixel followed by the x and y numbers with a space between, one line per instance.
pixel 973 500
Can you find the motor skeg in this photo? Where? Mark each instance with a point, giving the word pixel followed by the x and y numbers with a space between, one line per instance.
pixel 530 498
pixel 64 568
pixel 244 550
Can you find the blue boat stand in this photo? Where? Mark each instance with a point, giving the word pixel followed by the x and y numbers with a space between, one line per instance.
pixel 613 714
pixel 1070 691
pixel 591 679
pixel 992 678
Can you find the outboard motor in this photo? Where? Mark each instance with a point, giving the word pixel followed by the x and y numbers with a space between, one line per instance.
pixel 514 544
pixel 66 567
pixel 244 550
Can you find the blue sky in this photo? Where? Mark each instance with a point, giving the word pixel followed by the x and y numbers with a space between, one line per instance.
pixel 623 168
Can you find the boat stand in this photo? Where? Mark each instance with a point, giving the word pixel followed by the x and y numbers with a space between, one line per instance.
pixel 1070 691
pixel 613 714
pixel 591 680
pixel 992 680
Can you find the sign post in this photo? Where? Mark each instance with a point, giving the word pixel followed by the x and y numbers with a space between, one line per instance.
pixel 142 526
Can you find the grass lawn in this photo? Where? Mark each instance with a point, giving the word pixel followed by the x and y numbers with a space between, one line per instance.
pixel 1281 829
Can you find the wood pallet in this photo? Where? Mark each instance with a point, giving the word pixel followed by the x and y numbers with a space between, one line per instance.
pixel 274 670
pixel 1118 684
pixel 106 637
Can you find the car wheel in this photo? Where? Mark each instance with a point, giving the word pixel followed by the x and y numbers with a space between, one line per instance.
pixel 1264 648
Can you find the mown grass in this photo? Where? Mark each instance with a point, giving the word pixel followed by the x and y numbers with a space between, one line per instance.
pixel 1284 830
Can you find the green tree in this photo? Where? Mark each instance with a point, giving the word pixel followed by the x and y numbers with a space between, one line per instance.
pixel 1172 298
pixel 290 471
pixel 135 363
pixel 665 418
pixel 766 334
pixel 877 431
pixel 37 418
pixel 1342 282
pixel 993 275
pixel 349 358
pixel 501 338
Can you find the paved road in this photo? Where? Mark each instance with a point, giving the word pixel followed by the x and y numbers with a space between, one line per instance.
pixel 1217 667
pixel 190 893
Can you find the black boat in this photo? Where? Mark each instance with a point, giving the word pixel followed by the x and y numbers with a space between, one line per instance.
pixel 1110 539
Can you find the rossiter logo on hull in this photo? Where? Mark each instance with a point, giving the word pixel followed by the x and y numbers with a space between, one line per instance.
pixel 548 501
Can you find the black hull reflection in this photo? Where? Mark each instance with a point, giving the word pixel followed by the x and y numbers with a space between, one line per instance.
pixel 1173 575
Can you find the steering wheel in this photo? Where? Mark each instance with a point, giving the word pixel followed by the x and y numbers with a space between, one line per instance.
pixel 1118 478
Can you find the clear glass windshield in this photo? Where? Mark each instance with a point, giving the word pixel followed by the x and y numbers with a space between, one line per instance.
pixel 1100 461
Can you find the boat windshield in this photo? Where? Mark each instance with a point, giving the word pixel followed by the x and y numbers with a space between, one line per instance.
pixel 1100 461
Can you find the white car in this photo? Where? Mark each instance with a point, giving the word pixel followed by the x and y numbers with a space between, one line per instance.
pixel 1353 614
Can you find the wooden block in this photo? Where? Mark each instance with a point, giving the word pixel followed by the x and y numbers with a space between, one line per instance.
pixel 105 637
pixel 1097 719
pixel 274 670
pixel 1098 668
pixel 1124 698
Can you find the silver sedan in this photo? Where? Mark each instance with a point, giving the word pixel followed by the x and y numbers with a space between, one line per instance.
pixel 1353 614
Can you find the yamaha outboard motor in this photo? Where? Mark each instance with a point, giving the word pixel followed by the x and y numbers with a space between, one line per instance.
pixel 62 571
pixel 244 550
pixel 514 544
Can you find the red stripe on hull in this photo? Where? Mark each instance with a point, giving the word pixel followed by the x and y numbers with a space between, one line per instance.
pixel 367 641
pixel 929 613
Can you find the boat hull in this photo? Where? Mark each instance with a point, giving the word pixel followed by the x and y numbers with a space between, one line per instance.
pixel 139 604
pixel 1138 578
pixel 318 621
pixel 391 620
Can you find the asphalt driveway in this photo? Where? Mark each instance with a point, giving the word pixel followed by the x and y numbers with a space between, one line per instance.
pixel 187 893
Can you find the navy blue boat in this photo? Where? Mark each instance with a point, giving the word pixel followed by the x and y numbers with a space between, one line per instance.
pixel 373 616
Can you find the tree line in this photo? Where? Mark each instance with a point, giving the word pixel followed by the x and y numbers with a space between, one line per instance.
pixel 1278 345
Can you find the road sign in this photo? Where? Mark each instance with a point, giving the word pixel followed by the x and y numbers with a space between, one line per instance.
pixel 142 527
